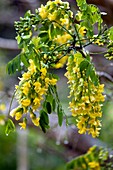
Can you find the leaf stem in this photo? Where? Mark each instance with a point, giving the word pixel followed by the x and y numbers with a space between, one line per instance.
pixel 11 103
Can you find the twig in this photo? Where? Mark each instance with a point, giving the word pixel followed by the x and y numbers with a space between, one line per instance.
pixel 104 74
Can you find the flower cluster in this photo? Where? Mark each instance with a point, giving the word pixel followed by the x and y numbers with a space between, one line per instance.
pixel 58 12
pixel 86 97
pixel 30 92
pixel 55 11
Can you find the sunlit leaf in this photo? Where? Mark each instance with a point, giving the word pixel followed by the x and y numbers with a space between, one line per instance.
pixel 60 113
pixel 10 127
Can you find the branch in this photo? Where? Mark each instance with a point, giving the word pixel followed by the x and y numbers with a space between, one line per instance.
pixel 8 44
pixel 106 75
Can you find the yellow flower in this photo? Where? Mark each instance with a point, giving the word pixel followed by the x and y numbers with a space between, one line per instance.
pixel 79 16
pixel 82 130
pixel 52 16
pixel 36 121
pixel 2 121
pixel 25 88
pixel 43 71
pixel 98 42
pixel 43 12
pixel 23 125
pixel 13 112
pixel 82 30
pixel 37 85
pixel 16 87
pixel 26 102
pixel 94 132
pixel 26 76
pixel 36 101
pixel 53 81
pixel 64 21
pixel 47 80
pixel 94 165
pixel 17 112
pixel 61 62
pixel 42 91
pixel 61 39
pixel 18 115
pixel 32 67
pixel 95 122
pixel 2 107
pixel 85 99
pixel 58 2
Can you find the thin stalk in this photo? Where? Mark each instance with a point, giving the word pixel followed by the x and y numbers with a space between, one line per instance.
pixel 11 103
pixel 93 53
pixel 59 46
pixel 78 37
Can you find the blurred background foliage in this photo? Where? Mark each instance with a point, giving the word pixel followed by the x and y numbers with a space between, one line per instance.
pixel 52 150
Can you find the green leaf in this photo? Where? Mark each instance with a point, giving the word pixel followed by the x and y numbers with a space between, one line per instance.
pixel 83 65
pixel 44 120
pixel 14 65
pixel 49 98
pixel 88 70
pixel 51 31
pixel 18 38
pixel 60 113
pixel 10 127
pixel 111 33
pixel 53 105
pixel 81 4
pixel 27 14
pixel 24 60
pixel 48 107
pixel 26 36
pixel 43 34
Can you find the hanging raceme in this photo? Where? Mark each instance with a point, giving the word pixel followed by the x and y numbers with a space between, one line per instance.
pixel 49 39
pixel 86 96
